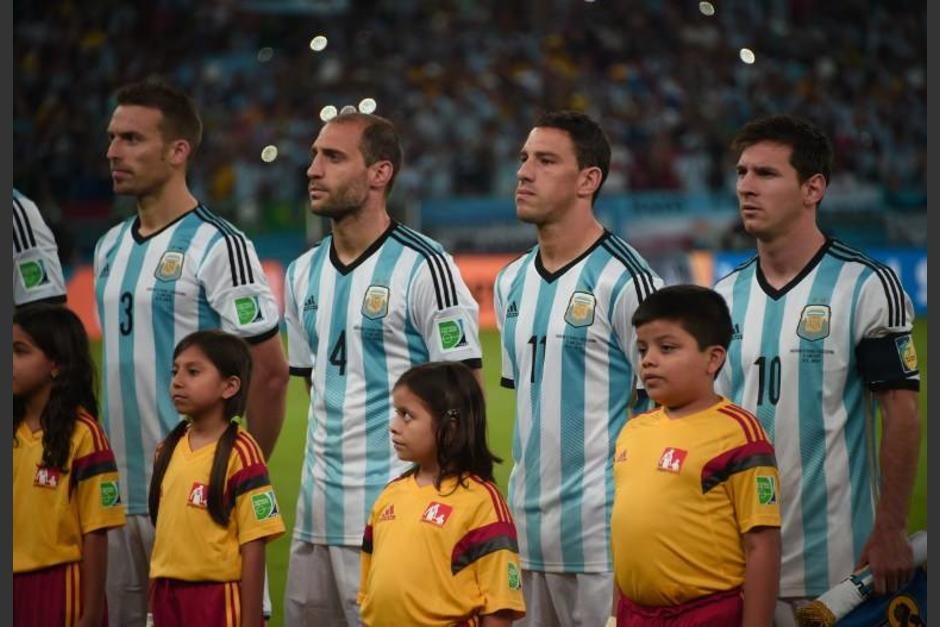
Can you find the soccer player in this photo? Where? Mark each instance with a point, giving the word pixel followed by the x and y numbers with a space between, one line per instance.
pixel 171 269
pixel 564 310
pixel 37 272
pixel 820 333
pixel 369 301
pixel 695 529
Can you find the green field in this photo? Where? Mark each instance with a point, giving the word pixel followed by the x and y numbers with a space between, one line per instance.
pixel 286 462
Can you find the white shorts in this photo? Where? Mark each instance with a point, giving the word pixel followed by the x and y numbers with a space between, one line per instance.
pixel 786 608
pixel 566 599
pixel 322 585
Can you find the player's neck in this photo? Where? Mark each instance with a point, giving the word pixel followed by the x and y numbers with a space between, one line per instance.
pixel 162 207
pixel 783 258
pixel 355 232
pixel 698 404
pixel 563 241
pixel 206 429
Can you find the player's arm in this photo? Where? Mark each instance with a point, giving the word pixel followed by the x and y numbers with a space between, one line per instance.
pixel 761 575
pixel 887 550
pixel 252 581
pixel 94 571
pixel 267 392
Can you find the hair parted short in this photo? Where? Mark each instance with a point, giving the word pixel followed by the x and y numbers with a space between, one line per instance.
pixel 591 146
pixel 811 148
pixel 701 311
pixel 380 141
pixel 180 117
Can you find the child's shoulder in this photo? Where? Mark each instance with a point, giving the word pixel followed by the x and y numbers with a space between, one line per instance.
pixel 245 449
pixel 735 422
pixel 89 432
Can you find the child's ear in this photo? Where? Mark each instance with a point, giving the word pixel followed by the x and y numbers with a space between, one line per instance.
pixel 716 359
pixel 230 387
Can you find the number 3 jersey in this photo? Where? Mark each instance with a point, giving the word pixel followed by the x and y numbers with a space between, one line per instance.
pixel 354 330
pixel 568 349
pixel 197 273
pixel 805 360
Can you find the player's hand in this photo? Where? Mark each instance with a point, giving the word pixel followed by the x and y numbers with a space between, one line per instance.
pixel 891 559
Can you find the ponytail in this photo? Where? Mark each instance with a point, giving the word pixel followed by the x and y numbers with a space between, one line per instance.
pixel 219 508
pixel 160 464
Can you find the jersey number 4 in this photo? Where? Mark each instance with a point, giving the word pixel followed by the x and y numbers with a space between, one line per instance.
pixel 338 354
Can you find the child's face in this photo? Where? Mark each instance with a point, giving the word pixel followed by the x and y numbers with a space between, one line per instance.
pixel 31 368
pixel 197 386
pixel 413 429
pixel 673 369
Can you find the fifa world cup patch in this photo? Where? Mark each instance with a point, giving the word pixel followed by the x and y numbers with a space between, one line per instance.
pixel 47 477
pixel 580 312
pixel 170 266
pixel 33 274
pixel 451 334
pixel 198 495
pixel 672 459
pixel 110 494
pixel 814 322
pixel 766 490
pixel 515 581
pixel 436 513
pixel 375 302
pixel 265 505
pixel 907 353
pixel 248 310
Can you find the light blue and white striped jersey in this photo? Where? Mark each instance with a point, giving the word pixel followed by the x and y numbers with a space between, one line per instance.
pixel 569 351
pixel 354 330
pixel 198 272
pixel 804 359
pixel 37 272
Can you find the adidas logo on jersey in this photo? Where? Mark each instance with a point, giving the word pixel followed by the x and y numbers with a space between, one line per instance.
pixel 105 271
pixel 46 477
pixel 436 513
pixel 736 334
pixel 513 311
pixel 310 304
pixel 672 459
pixel 388 513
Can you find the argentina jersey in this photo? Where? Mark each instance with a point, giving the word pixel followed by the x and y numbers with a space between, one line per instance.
pixel 37 272
pixel 354 330
pixel 198 272
pixel 805 360
pixel 568 350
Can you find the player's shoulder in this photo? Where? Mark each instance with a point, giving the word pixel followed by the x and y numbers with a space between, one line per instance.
pixel 88 433
pixel 116 230
pixel 631 263
pixel 516 264
pixel 23 203
pixel 245 449
pixel 303 261
pixel 848 255
pixel 728 279
pixel 419 242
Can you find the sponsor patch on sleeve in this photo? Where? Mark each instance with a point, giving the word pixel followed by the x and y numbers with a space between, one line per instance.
pixel 248 310
pixel 110 494
pixel 907 353
pixel 515 581
pixel 265 505
pixel 766 490
pixel 451 334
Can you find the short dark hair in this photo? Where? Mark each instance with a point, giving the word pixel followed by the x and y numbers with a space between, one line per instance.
pixel 702 312
pixel 591 146
pixel 380 141
pixel 180 118
pixel 811 148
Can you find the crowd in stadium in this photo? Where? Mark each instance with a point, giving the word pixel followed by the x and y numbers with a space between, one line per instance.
pixel 665 81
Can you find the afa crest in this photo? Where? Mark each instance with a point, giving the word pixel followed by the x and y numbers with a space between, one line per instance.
pixel 375 302
pixel 170 266
pixel 814 322
pixel 580 312
pixel 907 353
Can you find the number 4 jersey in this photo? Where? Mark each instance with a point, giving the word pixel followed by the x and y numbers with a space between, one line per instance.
pixel 197 273
pixel 805 359
pixel 354 329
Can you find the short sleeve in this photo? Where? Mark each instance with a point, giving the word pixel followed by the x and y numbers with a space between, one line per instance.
pixel 445 312
pixel 37 271
pixel 256 510
pixel 490 548
pixel 237 289
pixel 299 355
pixel 95 480
pixel 625 304
pixel 755 493
pixel 884 317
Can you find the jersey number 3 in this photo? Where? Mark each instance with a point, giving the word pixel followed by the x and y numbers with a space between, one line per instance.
pixel 127 313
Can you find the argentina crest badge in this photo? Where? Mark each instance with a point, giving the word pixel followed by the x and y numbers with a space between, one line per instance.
pixel 170 266
pixel 375 302
pixel 580 312
pixel 814 322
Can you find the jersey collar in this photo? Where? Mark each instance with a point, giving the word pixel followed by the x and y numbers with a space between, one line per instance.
pixel 140 239
pixel 550 277
pixel 368 252
pixel 776 294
